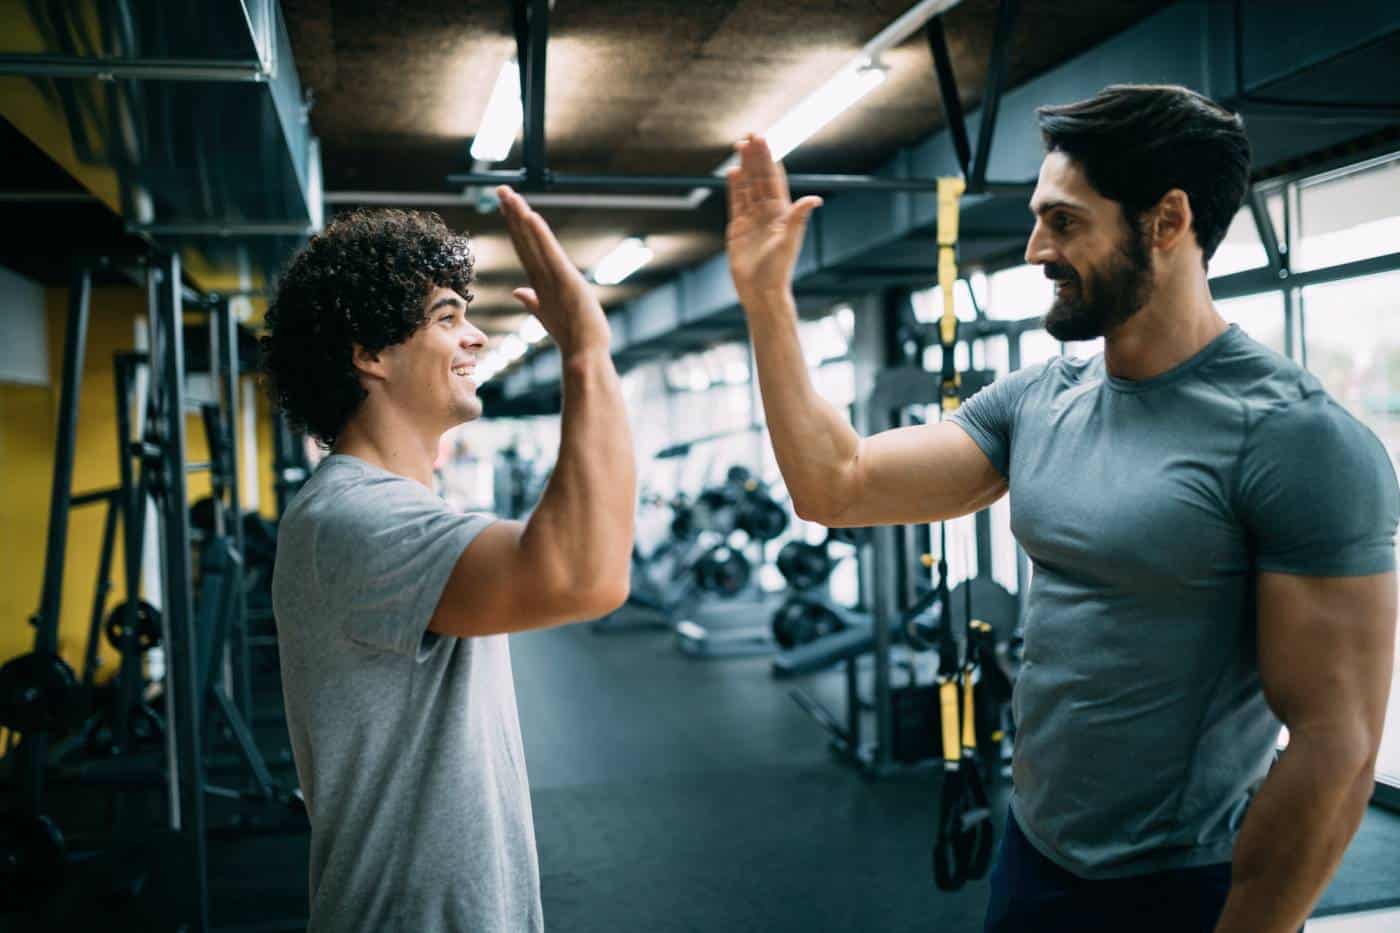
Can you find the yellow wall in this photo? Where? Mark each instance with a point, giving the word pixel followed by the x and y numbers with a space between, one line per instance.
pixel 28 438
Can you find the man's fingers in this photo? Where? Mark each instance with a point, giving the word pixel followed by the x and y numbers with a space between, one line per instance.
pixel 766 176
pixel 741 193
pixel 528 298
pixel 516 213
pixel 803 209
pixel 731 187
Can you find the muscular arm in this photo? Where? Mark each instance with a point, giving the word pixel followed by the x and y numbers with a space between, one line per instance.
pixel 903 476
pixel 571 560
pixel 1326 652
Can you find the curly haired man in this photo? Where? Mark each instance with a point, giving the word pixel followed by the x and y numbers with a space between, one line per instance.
pixel 392 608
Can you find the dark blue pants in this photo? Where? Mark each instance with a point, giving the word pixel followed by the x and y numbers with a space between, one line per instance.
pixel 1031 894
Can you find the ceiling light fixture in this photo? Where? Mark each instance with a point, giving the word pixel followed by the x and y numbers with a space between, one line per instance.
pixel 626 258
pixel 503 119
pixel 823 105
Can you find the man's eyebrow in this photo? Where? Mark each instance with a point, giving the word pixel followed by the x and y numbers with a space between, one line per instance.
pixel 1046 207
pixel 448 300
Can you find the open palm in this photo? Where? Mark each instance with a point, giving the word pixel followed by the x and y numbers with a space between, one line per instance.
pixel 765 229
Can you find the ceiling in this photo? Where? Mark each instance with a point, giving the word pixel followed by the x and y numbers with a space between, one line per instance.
pixel 637 88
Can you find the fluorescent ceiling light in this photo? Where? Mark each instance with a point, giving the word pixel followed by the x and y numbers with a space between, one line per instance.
pixel 823 105
pixel 532 331
pixel 504 117
pixel 627 257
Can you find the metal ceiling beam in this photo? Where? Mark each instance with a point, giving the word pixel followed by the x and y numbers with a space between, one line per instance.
pixel 652 182
pixel 136 69
pixel 953 114
pixel 991 98
pixel 531 54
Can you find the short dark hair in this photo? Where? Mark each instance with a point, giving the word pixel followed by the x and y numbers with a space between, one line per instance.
pixel 363 280
pixel 1136 142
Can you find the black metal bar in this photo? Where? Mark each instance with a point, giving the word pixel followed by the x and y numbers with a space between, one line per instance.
pixel 74 353
pixel 138 69
pixel 1318 111
pixel 715 183
pixel 97 495
pixel 1258 209
pixel 534 90
pixel 991 96
pixel 182 674
pixel 238 644
pixel 520 25
pixel 133 529
pixel 948 92
pixel 104 587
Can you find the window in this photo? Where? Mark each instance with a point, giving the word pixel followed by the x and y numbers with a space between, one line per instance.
pixel 1037 346
pixel 1349 215
pixel 1260 316
pixel 1019 292
pixel 1241 249
pixel 1352 337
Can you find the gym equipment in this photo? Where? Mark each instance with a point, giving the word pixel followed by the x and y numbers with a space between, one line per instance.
pixel 722 571
pixel 33 858
pixel 804 619
pixel 204 641
pixel 40 694
pixel 805 566
pixel 145 629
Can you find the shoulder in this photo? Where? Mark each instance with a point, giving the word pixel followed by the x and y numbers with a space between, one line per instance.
pixel 1264 382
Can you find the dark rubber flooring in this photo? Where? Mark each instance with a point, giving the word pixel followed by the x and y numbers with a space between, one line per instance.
pixel 670 794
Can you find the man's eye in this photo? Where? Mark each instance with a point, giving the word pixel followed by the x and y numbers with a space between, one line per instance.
pixel 448 318
pixel 1061 223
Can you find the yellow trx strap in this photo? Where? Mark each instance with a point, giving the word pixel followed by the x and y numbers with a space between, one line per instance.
pixel 950 191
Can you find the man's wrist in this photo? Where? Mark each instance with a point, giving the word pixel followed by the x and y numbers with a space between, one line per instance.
pixel 769 300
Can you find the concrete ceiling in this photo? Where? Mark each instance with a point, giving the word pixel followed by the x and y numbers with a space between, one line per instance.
pixel 660 87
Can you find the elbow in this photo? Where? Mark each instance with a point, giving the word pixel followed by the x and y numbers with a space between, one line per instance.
pixel 810 510
pixel 606 598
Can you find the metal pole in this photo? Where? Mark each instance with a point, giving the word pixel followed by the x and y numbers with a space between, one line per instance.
pixel 534 90
pixel 991 98
pixel 135 69
pixel 50 600
pixel 646 182
pixel 182 668
pixel 242 691
pixel 948 91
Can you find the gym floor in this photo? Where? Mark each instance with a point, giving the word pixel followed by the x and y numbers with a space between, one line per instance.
pixel 670 794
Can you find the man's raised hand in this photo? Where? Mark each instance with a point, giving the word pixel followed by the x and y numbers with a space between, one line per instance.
pixel 765 229
pixel 558 295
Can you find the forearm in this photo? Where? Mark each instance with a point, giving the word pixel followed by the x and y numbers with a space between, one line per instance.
pixel 580 533
pixel 1293 838
pixel 814 445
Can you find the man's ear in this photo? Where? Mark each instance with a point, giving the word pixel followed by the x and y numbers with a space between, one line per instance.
pixel 1171 221
pixel 367 363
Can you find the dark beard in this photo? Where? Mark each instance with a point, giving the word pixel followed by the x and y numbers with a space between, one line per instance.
pixel 1113 296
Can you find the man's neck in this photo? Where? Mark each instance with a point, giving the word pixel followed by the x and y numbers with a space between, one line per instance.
pixel 395 449
pixel 1170 329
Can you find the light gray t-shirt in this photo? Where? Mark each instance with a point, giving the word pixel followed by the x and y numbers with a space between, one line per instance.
pixel 407 744
pixel 1148 509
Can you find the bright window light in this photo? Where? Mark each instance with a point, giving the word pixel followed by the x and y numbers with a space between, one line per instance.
pixel 504 117
pixel 513 348
pixel 822 106
pixel 532 331
pixel 628 256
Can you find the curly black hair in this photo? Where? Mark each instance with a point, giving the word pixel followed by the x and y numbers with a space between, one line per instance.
pixel 362 280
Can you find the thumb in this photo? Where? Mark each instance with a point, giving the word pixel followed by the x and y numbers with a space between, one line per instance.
pixel 800 211
pixel 528 298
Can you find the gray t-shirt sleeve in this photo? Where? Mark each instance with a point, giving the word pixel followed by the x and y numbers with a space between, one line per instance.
pixel 1318 493
pixel 989 416
pixel 383 557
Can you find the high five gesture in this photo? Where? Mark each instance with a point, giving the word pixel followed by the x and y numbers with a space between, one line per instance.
pixel 765 229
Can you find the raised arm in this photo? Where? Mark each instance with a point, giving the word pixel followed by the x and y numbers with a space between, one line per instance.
pixel 571 560
pixel 833 475
pixel 1326 651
